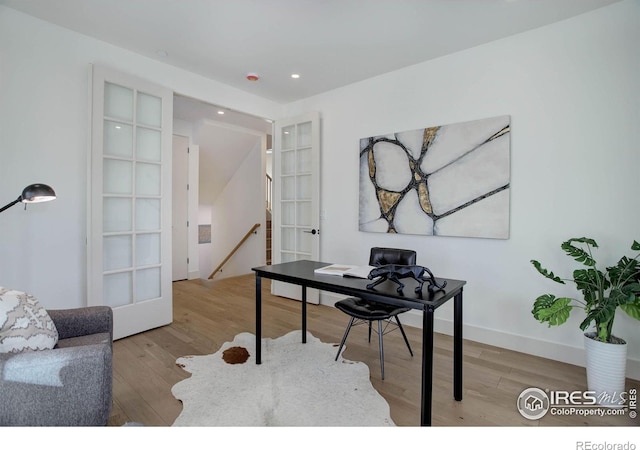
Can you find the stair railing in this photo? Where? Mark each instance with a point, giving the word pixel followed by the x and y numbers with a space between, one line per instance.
pixel 242 241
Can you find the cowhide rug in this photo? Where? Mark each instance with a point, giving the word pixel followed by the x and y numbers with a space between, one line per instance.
pixel 296 385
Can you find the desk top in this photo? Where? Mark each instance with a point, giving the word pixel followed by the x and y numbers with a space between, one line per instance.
pixel 302 273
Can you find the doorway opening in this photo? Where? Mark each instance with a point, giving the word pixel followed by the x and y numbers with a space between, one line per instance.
pixel 230 174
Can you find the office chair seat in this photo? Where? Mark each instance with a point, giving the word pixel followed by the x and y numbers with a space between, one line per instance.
pixel 364 311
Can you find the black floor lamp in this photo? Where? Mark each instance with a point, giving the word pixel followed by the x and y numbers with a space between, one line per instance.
pixel 34 193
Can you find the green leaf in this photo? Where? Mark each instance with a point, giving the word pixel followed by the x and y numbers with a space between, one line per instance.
pixel 600 314
pixel 545 273
pixel 584 240
pixel 632 289
pixel 580 255
pixel 587 282
pixel 635 246
pixel 632 308
pixel 627 270
pixel 554 311
pixel 619 297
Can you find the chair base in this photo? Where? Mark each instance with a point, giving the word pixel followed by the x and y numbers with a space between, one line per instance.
pixel 381 332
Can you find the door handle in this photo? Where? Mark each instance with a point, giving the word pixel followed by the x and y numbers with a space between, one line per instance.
pixel 313 231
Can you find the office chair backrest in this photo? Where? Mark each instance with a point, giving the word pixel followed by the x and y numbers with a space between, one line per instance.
pixel 381 256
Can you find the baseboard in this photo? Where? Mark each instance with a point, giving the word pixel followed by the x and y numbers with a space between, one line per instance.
pixel 193 275
pixel 537 347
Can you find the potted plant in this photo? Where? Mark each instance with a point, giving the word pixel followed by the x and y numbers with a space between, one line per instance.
pixel 602 294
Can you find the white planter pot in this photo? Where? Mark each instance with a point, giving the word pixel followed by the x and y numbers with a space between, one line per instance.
pixel 606 370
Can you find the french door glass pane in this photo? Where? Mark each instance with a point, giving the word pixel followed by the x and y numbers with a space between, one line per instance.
pixel 147 284
pixel 147 249
pixel 303 214
pixel 118 102
pixel 288 137
pixel 118 289
pixel 288 213
pixel 304 135
pixel 118 139
pixel 288 164
pixel 148 144
pixel 304 242
pixel 149 110
pixel 117 252
pixel 147 214
pixel 303 187
pixel 117 176
pixel 288 188
pixel 288 239
pixel 117 215
pixel 304 160
pixel 147 179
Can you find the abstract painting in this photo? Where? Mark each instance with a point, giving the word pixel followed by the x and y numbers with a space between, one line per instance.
pixel 448 180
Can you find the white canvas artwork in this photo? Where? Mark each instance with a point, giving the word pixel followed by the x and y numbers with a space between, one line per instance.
pixel 449 180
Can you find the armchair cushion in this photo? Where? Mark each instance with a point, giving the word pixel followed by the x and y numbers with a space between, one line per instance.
pixel 24 324
pixel 69 385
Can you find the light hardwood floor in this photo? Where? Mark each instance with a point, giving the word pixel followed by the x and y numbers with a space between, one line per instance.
pixel 210 313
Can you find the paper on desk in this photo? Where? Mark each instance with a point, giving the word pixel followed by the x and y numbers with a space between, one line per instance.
pixel 345 270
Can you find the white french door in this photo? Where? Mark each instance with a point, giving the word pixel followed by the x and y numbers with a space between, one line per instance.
pixel 296 189
pixel 129 246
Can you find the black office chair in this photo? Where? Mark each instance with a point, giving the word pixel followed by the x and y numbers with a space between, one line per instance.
pixel 363 311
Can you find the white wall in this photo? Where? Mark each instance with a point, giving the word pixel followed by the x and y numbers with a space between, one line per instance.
pixel 573 92
pixel 240 206
pixel 205 250
pixel 44 108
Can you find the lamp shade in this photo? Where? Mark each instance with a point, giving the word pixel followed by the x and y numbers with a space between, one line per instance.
pixel 36 193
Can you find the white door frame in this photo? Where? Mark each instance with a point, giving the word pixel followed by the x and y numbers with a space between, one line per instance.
pixel 180 221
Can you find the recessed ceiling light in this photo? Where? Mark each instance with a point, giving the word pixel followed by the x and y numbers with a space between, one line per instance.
pixel 221 112
pixel 295 75
pixel 252 76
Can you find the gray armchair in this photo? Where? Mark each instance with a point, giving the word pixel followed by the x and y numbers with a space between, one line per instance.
pixel 70 385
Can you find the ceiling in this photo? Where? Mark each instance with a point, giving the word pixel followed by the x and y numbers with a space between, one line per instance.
pixel 330 43
pixel 195 111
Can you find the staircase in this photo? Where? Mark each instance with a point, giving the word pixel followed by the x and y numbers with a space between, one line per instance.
pixel 269 188
pixel 268 237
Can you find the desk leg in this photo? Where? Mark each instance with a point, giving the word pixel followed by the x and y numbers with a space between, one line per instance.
pixel 457 346
pixel 427 366
pixel 304 314
pixel 258 319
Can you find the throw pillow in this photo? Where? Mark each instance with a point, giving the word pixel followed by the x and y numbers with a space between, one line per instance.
pixel 24 324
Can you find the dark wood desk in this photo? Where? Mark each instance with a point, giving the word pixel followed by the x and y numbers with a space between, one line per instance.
pixel 301 273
